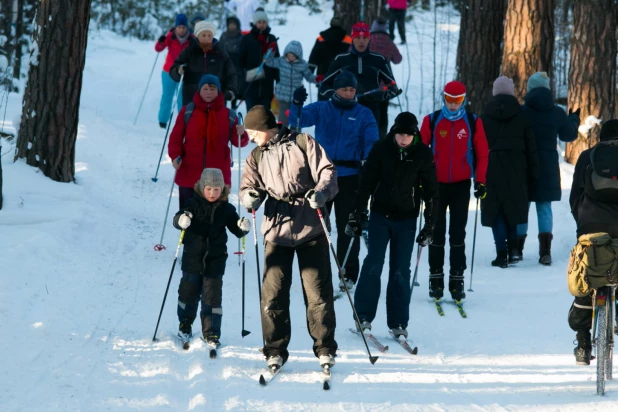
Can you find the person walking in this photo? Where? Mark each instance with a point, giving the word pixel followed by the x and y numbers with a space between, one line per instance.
pixel 397 14
pixel 291 174
pixel 513 162
pixel 230 44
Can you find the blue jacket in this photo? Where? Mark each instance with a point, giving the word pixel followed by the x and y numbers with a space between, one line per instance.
pixel 345 134
pixel 549 122
pixel 290 74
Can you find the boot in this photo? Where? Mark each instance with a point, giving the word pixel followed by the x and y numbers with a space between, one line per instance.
pixel 500 260
pixel 545 248
pixel 584 348
pixel 436 285
pixel 364 326
pixel 274 362
pixel 213 340
pixel 400 331
pixel 513 247
pixel 327 360
pixel 349 283
pixel 456 285
pixel 521 240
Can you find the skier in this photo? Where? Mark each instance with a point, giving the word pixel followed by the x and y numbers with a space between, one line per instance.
pixel 392 176
pixel 230 44
pixel 292 69
pixel 293 175
pixel 244 9
pixel 204 56
pixel 347 131
pixel 381 43
pixel 397 14
pixel 330 43
pixel 205 218
pixel 460 150
pixel 201 139
pixel 548 122
pixel 592 214
pixel 369 68
pixel 175 40
pixel 513 162
pixel 253 48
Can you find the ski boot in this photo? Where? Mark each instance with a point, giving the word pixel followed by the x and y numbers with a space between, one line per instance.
pixel 364 326
pixel 184 330
pixel 456 285
pixel 583 350
pixel 501 260
pixel 274 362
pixel 327 360
pixel 436 284
pixel 162 125
pixel 400 331
pixel 213 340
pixel 349 283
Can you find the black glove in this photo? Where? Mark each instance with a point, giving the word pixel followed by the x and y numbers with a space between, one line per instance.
pixel 425 237
pixel 229 95
pixel 480 191
pixel 300 96
pixel 576 112
pixel 357 222
pixel 162 39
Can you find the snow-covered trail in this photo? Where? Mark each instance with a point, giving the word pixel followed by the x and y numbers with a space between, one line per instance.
pixel 81 289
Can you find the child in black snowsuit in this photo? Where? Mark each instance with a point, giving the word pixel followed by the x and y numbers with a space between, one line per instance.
pixel 205 219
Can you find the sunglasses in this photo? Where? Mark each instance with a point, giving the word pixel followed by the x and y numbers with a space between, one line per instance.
pixel 454 99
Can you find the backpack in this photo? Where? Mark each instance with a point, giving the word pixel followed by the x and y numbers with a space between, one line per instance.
pixel 433 118
pixel 189 111
pixel 601 176
pixel 299 138
pixel 593 264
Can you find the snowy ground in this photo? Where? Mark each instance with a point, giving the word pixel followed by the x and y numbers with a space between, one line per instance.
pixel 81 288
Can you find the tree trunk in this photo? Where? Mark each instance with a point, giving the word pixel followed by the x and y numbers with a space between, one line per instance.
pixel 478 51
pixel 19 41
pixel 372 10
pixel 7 44
pixel 528 41
pixel 348 11
pixel 51 101
pixel 592 73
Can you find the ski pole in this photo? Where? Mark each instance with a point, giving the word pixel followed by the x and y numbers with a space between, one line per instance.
pixel 376 90
pixel 182 236
pixel 169 123
pixel 139 109
pixel 159 246
pixel 240 121
pixel 347 254
pixel 476 218
pixel 372 359
pixel 257 265
pixel 418 260
pixel 243 332
pixel 420 227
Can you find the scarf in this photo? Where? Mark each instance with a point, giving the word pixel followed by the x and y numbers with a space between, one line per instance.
pixel 342 103
pixel 456 115
pixel 184 38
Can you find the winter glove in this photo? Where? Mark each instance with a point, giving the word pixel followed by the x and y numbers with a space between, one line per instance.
pixel 273 46
pixel 300 96
pixel 184 221
pixel 319 78
pixel 181 69
pixel 229 95
pixel 162 39
pixel 576 112
pixel 244 225
pixel 425 237
pixel 356 223
pixel 480 191
pixel 316 199
pixel 251 199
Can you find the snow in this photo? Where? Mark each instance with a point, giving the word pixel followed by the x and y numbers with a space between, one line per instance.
pixel 82 285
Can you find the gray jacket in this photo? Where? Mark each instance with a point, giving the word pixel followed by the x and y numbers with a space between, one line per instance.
pixel 283 176
pixel 290 74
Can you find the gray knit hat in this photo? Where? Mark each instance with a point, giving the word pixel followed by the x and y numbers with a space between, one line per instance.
pixel 538 79
pixel 212 178
pixel 504 85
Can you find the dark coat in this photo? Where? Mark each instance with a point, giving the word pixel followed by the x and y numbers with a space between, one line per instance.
pixel 205 242
pixel 548 122
pixel 214 61
pixel 513 161
pixel 251 56
pixel 331 42
pixel 230 44
pixel 392 177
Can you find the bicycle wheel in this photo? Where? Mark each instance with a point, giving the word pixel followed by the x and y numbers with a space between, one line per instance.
pixel 609 358
pixel 601 346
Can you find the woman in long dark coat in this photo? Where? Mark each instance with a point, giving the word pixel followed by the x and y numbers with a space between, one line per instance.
pixel 513 163
pixel 549 123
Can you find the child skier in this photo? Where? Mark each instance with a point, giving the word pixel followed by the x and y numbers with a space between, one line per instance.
pixel 205 218
pixel 292 69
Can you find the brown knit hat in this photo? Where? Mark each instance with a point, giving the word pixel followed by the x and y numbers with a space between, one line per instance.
pixel 260 118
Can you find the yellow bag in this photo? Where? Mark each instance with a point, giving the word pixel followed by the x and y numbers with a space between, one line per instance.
pixel 593 264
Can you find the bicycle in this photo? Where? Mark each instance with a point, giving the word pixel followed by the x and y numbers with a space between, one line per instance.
pixel 604 307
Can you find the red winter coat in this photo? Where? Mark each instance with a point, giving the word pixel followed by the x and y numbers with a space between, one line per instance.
pixel 174 48
pixel 398 4
pixel 453 151
pixel 205 142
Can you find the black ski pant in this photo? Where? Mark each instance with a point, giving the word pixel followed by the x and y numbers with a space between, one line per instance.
pixel 209 289
pixel 455 197
pixel 344 205
pixel 580 314
pixel 317 283
pixel 397 16
pixel 373 105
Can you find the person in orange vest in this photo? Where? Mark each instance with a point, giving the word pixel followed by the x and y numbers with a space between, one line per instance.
pixel 330 43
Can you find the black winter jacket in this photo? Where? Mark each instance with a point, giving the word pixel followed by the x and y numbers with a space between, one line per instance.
pixel 331 42
pixel 392 177
pixel 251 56
pixel 513 161
pixel 215 61
pixel 590 215
pixel 205 242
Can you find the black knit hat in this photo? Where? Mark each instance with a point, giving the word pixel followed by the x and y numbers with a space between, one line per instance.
pixel 345 79
pixel 260 118
pixel 609 130
pixel 405 123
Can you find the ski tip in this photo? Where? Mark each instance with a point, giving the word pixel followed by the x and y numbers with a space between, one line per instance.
pixel 245 333
pixel 262 380
pixel 415 350
pixel 326 386
pixel 373 359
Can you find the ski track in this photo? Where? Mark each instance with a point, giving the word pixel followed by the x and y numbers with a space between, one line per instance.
pixel 82 288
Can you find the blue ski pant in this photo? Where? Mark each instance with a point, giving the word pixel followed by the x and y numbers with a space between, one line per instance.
pixel 544 216
pixel 209 289
pixel 400 234
pixel 167 97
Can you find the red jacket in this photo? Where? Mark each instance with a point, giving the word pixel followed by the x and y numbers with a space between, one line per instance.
pixel 174 48
pixel 454 152
pixel 205 142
